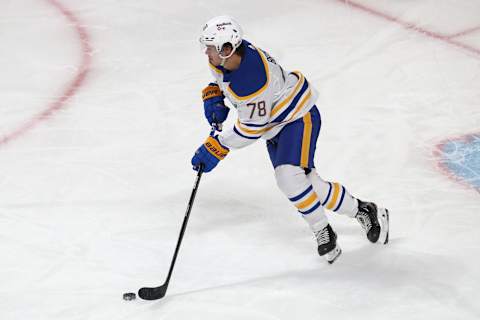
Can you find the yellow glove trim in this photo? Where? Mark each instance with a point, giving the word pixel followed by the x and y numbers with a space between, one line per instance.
pixel 211 91
pixel 215 148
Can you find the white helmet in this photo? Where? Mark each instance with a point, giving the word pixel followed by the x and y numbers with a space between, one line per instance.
pixel 221 30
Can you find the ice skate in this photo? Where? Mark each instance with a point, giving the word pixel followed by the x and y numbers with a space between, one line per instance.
pixel 327 244
pixel 375 221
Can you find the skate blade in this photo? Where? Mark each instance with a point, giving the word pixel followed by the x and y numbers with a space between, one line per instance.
pixel 333 255
pixel 384 220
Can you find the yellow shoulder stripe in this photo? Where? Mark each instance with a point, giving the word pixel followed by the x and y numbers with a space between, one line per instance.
pixel 217 70
pixel 259 91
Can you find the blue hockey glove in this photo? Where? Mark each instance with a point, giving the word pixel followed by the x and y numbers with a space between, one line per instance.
pixel 209 154
pixel 215 110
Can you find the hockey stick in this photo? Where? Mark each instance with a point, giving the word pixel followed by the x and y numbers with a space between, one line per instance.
pixel 154 293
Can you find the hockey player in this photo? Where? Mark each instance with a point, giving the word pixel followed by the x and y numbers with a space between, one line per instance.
pixel 278 106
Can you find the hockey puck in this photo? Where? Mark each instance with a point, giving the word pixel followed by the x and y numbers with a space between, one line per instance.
pixel 129 296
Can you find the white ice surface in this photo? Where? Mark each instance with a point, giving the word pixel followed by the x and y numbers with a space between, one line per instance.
pixel 91 200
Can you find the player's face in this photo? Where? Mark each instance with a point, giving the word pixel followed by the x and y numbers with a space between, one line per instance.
pixel 213 56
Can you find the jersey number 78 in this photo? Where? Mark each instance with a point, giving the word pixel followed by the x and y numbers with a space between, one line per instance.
pixel 259 106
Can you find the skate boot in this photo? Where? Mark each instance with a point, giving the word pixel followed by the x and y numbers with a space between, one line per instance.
pixel 327 244
pixel 375 221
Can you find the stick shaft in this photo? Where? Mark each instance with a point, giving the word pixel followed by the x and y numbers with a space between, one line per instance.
pixel 185 221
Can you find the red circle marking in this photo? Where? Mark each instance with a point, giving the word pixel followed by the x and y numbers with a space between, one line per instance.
pixel 72 86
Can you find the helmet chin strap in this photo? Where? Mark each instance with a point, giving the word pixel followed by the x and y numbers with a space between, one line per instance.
pixel 224 58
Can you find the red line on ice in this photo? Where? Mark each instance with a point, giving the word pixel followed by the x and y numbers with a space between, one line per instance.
pixel 410 26
pixel 464 32
pixel 437 152
pixel 72 86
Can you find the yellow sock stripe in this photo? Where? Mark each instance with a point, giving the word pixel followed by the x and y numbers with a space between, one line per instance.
pixel 336 191
pixel 215 148
pixel 307 202
pixel 307 133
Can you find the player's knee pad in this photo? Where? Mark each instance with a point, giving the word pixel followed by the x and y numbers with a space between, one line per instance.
pixel 297 187
pixel 291 179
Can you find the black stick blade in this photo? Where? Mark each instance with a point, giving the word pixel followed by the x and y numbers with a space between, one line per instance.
pixel 152 293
